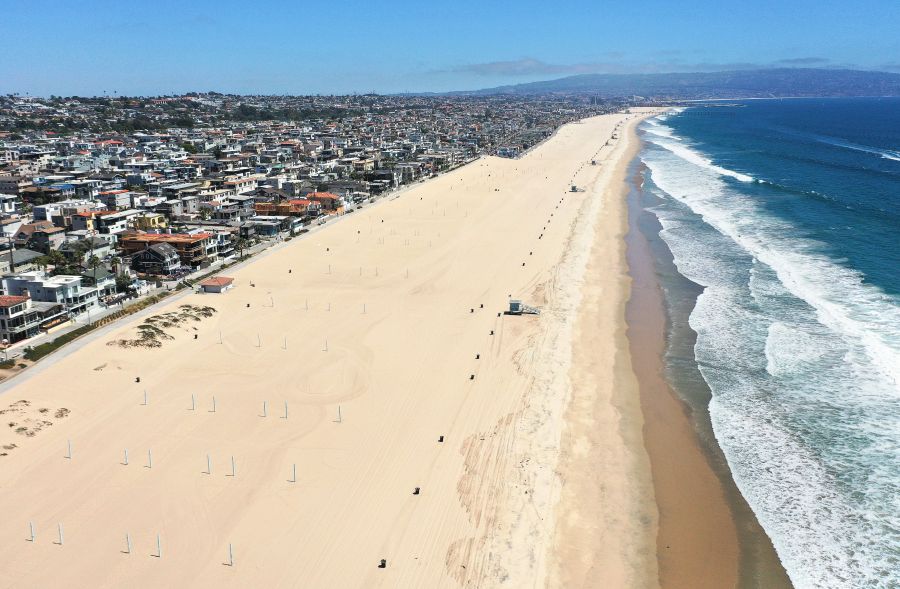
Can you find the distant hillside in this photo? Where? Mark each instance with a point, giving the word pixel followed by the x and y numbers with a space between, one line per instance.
pixel 741 83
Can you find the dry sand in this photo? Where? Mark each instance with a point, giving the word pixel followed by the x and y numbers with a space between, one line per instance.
pixel 608 521
pixel 395 293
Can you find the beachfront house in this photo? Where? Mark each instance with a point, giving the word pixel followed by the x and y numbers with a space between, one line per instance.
pixel 160 259
pixel 194 249
pixel 19 320
pixel 330 202
pixel 62 289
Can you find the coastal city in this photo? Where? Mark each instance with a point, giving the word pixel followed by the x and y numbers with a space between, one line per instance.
pixel 596 295
pixel 105 200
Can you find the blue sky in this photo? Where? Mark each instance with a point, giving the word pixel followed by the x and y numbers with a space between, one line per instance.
pixel 161 47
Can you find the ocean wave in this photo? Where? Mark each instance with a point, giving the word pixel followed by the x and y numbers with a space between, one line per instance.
pixel 843 301
pixel 694 157
pixel 821 539
pixel 790 351
pixel 888 154
pixel 802 357
pixel 660 131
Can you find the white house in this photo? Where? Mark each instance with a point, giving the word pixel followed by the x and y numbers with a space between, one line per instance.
pixel 63 289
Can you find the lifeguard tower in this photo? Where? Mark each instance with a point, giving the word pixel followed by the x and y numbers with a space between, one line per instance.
pixel 517 308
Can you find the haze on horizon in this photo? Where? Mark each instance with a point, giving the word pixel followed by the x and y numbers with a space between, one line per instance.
pixel 280 47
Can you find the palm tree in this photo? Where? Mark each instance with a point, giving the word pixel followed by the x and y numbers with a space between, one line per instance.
pixel 241 243
pixel 56 259
pixel 42 262
pixel 77 257
pixel 94 263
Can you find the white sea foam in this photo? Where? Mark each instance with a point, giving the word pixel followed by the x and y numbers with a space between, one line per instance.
pixel 697 159
pixel 789 351
pixel 661 131
pixel 803 359
pixel 838 293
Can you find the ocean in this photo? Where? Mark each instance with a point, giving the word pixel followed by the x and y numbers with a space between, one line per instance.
pixel 782 218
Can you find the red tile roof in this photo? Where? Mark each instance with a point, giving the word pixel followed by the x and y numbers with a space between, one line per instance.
pixel 166 237
pixel 10 300
pixel 217 281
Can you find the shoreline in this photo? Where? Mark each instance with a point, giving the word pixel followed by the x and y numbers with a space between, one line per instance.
pixel 697 544
pixel 541 476
pixel 731 528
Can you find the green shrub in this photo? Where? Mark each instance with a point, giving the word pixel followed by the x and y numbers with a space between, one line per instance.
pixel 37 352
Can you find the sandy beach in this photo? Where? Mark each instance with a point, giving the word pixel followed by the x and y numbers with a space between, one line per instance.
pixel 382 333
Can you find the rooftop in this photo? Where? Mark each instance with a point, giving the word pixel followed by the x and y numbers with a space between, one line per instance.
pixel 217 281
pixel 10 300
pixel 167 237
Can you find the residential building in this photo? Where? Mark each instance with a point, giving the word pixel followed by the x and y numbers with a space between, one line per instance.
pixel 19 319
pixel 25 259
pixel 194 250
pixel 62 289
pixel 160 259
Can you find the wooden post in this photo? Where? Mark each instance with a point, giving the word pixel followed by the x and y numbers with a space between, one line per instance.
pixel 145 398
pixel 285 411
pixel 193 402
pixel 69 449
pixel 31 531
pixel 127 543
pixel 126 457
pixel 59 531
pixel 158 547
pixel 232 466
pixel 149 458
pixel 265 409
pixel 214 404
pixel 208 465
pixel 293 473
pixel 230 556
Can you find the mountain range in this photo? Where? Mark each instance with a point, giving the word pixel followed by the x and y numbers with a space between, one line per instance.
pixel 759 83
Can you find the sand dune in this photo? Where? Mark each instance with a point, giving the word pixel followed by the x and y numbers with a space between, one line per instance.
pixel 386 316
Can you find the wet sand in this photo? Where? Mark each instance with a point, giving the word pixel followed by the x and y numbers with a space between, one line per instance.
pixel 697 544
pixel 708 536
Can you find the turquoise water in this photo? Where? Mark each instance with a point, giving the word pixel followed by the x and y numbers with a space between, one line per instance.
pixel 786 213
